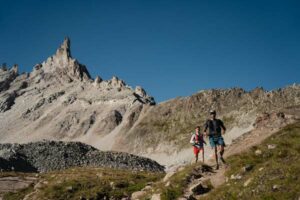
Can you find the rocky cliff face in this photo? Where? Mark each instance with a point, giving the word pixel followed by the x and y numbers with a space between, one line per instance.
pixel 59 100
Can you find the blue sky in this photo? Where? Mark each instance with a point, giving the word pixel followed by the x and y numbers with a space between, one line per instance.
pixel 171 48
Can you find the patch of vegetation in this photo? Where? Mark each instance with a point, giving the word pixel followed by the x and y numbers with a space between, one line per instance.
pixel 94 183
pixel 275 173
pixel 174 128
pixel 89 183
pixel 228 121
pixel 18 195
pixel 177 183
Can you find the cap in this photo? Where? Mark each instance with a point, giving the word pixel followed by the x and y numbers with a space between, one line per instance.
pixel 212 112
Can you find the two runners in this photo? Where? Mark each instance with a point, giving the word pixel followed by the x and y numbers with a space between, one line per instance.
pixel 213 128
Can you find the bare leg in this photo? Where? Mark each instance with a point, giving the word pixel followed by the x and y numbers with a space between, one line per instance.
pixel 221 154
pixel 221 150
pixel 203 155
pixel 216 156
pixel 196 158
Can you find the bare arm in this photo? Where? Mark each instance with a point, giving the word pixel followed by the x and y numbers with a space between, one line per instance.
pixel 205 129
pixel 192 139
pixel 223 127
pixel 203 140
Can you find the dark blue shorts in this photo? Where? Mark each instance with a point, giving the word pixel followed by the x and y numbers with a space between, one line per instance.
pixel 214 141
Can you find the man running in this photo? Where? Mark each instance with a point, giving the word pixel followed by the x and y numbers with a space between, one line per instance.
pixel 198 143
pixel 215 130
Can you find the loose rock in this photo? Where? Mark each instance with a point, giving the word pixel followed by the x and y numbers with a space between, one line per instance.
pixel 137 195
pixel 271 146
pixel 155 197
pixel 247 168
pixel 258 152
pixel 53 155
pixel 247 182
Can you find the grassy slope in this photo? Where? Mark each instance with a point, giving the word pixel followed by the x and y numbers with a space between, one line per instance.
pixel 89 183
pixel 275 173
pixel 19 195
pixel 279 166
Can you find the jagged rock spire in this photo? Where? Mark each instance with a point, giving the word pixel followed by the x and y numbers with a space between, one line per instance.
pixel 116 82
pixel 140 91
pixel 15 69
pixel 97 80
pixel 65 49
pixel 62 64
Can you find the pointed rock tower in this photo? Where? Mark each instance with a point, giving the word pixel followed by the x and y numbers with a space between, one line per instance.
pixel 63 66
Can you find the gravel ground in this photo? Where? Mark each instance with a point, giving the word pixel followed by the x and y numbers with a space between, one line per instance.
pixel 47 156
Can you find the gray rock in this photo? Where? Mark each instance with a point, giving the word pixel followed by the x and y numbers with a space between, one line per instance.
pixel 7 100
pixel 97 80
pixel 7 77
pixel 247 182
pixel 235 177
pixel 137 195
pixel 248 168
pixel 53 155
pixel 275 187
pixel 258 152
pixel 271 146
pixel 54 96
pixel 199 189
pixel 155 197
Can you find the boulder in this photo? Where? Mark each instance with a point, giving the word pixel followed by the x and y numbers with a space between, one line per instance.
pixel 97 81
pixel 199 188
pixel 247 182
pixel 258 152
pixel 247 168
pixel 155 197
pixel 271 146
pixel 137 195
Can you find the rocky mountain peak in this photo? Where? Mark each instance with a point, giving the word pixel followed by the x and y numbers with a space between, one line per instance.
pixel 97 80
pixel 59 100
pixel 15 69
pixel 116 82
pixel 62 66
pixel 140 91
pixel 65 49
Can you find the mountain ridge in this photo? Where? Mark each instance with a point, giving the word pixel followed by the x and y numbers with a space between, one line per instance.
pixel 61 92
pixel 59 100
